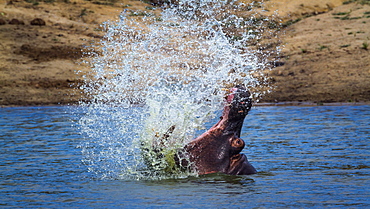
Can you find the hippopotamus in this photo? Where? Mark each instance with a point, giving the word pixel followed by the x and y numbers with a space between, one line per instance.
pixel 218 149
pixel 215 151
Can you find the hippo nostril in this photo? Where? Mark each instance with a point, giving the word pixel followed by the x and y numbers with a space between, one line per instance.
pixel 237 143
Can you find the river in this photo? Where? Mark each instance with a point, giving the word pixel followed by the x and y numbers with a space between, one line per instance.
pixel 307 157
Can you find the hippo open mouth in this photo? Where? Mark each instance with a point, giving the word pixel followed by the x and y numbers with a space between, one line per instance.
pixel 218 149
pixel 215 151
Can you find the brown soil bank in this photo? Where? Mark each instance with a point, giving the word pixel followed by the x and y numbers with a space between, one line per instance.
pixel 42 43
pixel 325 59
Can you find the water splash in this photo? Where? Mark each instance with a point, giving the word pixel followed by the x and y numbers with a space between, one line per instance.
pixel 177 67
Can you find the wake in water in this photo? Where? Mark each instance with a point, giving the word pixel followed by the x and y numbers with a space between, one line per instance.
pixel 155 73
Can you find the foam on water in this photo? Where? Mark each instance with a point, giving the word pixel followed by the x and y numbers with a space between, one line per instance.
pixel 177 67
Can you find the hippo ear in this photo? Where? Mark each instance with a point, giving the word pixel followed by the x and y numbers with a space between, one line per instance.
pixel 239 165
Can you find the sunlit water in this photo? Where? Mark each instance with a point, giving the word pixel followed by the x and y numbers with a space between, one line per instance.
pixel 307 157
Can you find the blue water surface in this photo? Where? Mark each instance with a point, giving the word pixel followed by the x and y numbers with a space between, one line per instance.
pixel 307 157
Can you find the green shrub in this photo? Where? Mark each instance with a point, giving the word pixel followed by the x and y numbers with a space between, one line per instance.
pixel 365 45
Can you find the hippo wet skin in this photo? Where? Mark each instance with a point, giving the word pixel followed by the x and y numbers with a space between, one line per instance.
pixel 218 149
pixel 215 151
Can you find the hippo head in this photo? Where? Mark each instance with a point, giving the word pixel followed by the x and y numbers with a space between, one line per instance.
pixel 218 149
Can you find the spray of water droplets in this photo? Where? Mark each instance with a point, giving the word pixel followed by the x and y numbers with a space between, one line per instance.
pixel 155 74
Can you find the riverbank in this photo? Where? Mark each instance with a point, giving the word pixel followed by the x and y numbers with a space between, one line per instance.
pixel 325 58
